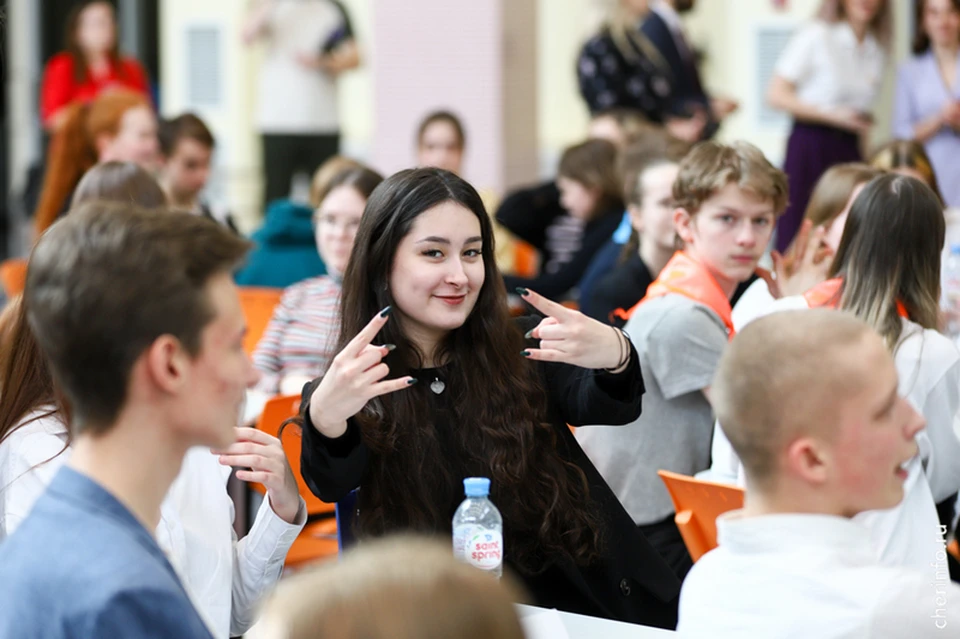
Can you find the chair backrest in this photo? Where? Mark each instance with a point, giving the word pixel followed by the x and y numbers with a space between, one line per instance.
pixel 525 260
pixel 275 412
pixel 13 276
pixel 698 504
pixel 346 515
pixel 258 305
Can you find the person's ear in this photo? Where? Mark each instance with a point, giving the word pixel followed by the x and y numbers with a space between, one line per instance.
pixel 808 460
pixel 167 364
pixel 636 217
pixel 683 222
pixel 102 144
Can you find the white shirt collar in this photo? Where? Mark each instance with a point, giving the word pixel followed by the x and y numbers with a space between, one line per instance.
pixel 843 33
pixel 828 534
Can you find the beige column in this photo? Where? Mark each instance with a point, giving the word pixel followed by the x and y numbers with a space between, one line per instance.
pixel 477 59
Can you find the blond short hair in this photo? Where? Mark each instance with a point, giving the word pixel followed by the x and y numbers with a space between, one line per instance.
pixel 325 174
pixel 710 166
pixel 781 377
pixel 397 588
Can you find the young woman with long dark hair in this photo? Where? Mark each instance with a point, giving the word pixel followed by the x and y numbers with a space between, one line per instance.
pixel 441 384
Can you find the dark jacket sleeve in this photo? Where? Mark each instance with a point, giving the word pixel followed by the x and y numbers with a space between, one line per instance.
pixel 583 396
pixel 686 77
pixel 529 211
pixel 557 285
pixel 330 467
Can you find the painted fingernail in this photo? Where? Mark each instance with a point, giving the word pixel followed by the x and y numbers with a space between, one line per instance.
pixel 385 311
pixel 389 347
pixel 528 334
pixel 525 353
pixel 522 291
pixel 412 381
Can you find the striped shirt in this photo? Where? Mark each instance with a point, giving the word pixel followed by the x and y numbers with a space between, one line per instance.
pixel 301 336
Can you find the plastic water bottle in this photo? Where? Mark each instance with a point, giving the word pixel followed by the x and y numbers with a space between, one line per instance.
pixel 478 528
pixel 951 291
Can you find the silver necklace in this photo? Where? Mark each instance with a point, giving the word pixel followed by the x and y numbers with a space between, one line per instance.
pixel 437 386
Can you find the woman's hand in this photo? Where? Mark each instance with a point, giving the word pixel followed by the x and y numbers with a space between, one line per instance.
pixel 849 120
pixel 353 379
pixel 688 129
pixel 571 337
pixel 259 457
pixel 805 264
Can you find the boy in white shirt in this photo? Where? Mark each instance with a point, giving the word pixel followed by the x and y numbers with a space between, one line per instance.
pixel 821 439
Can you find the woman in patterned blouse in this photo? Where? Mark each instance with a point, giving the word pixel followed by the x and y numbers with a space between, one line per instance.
pixel 297 344
pixel 619 67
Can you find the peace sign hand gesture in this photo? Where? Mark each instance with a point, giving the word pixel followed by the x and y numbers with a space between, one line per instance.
pixel 353 379
pixel 571 337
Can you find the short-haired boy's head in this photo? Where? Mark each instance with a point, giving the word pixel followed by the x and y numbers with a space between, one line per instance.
pixel 186 147
pixel 399 587
pixel 186 126
pixel 810 398
pixel 105 282
pixel 710 166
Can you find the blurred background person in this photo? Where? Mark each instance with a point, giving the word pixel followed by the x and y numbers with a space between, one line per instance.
pixel 665 31
pixel 186 154
pixel 620 67
pixel 309 43
pixel 118 125
pixel 89 64
pixel 827 79
pixel 927 106
pixel 299 341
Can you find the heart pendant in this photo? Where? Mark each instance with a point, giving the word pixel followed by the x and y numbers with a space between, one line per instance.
pixel 437 386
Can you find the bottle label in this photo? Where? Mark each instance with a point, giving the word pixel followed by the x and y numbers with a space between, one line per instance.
pixel 482 548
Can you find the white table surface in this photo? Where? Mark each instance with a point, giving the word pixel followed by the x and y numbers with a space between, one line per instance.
pixel 539 623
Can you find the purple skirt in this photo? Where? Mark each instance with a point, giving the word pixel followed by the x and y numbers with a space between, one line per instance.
pixel 811 150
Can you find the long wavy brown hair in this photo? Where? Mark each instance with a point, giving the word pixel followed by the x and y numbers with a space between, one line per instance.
pixel 497 403
pixel 73 148
pixel 26 384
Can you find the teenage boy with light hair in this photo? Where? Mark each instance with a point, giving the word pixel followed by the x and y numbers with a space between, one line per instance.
pixel 809 400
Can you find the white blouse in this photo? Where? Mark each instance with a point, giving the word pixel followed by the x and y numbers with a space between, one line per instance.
pixel 225 578
pixel 831 69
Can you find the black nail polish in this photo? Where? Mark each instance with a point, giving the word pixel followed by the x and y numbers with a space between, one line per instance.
pixel 412 381
pixel 525 353
pixel 522 291
pixel 385 312
pixel 528 334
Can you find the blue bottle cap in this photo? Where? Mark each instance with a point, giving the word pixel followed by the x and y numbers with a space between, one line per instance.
pixel 476 486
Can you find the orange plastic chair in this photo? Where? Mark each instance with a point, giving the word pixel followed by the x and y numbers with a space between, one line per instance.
pixel 525 260
pixel 698 504
pixel 13 276
pixel 258 304
pixel 318 539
